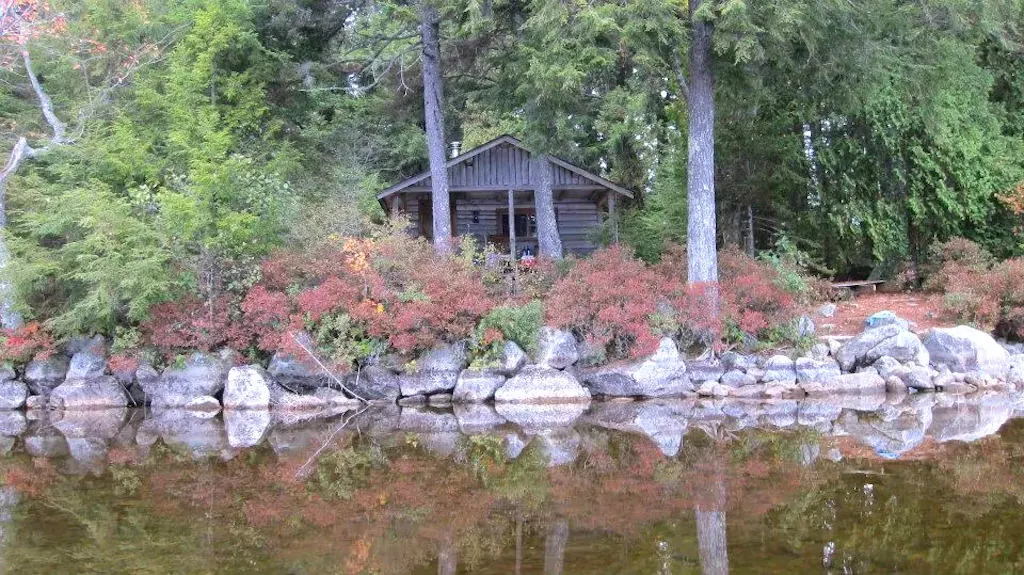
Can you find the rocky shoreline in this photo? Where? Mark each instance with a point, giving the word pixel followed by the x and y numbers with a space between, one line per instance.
pixel 886 358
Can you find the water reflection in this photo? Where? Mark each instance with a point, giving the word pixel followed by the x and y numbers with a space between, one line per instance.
pixel 856 484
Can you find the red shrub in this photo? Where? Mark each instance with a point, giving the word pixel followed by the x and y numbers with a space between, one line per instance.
pixel 123 363
pixel 190 324
pixel 266 317
pixel 30 341
pixel 609 300
pixel 751 296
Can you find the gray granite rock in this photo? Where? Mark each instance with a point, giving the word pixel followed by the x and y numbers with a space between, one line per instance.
pixel 477 386
pixel 536 384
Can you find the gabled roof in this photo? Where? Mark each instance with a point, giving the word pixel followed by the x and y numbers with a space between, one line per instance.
pixel 507 139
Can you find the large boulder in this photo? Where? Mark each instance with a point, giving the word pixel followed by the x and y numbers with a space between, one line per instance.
pixel 736 378
pixel 96 393
pixel 12 394
pixel 904 347
pixel 7 372
pixel 476 386
pixel 853 353
pixel 556 348
pixel 246 388
pixel 42 375
pixel 811 370
pixel 375 383
pixel 201 374
pixel 963 349
pixel 661 375
pixel 513 358
pixel 427 383
pixel 779 368
pixel 296 372
pixel 88 357
pixel 86 365
pixel 536 384
pixel 704 371
pixel 444 358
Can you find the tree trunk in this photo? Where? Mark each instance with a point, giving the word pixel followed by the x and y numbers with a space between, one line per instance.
pixel 701 249
pixel 433 109
pixel 554 548
pixel 9 316
pixel 548 240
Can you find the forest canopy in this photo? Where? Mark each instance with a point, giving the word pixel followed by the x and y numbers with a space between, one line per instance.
pixel 199 136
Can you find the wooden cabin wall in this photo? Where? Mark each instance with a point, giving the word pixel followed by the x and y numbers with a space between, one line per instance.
pixel 577 218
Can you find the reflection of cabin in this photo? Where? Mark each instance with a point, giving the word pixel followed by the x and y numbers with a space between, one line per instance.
pixel 480 183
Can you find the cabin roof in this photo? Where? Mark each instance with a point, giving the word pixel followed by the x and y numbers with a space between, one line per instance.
pixel 575 172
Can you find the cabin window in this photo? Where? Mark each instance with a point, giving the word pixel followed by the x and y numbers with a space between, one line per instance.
pixel 525 222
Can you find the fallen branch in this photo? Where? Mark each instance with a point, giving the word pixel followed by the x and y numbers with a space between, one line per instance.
pixel 302 472
pixel 327 371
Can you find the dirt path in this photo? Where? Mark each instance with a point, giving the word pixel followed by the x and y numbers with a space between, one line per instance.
pixel 924 311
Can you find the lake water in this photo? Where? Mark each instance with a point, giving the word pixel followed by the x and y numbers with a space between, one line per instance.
pixel 924 484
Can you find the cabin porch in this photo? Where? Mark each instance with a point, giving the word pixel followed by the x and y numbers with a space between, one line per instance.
pixel 484 215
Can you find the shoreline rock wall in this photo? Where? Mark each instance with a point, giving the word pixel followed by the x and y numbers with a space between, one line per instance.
pixel 886 358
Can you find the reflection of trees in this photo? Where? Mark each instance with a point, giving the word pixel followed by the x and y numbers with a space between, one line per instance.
pixel 388 505
pixel 554 547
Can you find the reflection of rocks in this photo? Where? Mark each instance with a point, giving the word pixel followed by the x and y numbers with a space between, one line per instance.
pixel 98 423
pixel 246 427
pixel 969 419
pixel 888 434
pixel 45 441
pixel 515 443
pixel 477 418
pixel 425 420
pixel 198 434
pixel 559 446
pixel 88 454
pixel 12 423
pixel 538 417
pixel 664 421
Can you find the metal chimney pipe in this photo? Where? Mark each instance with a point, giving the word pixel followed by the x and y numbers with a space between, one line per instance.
pixel 455 148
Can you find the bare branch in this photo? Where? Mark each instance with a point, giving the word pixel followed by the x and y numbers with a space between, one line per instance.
pixel 325 370
pixel 59 129
pixel 677 68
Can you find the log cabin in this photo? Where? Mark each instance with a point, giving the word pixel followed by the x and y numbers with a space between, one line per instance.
pixel 491 191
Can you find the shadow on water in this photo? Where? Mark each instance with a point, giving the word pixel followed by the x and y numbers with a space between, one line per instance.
pixel 857 484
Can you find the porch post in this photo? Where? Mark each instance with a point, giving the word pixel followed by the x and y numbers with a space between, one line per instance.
pixel 613 217
pixel 512 224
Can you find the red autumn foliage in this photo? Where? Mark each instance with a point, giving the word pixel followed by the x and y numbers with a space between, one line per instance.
pixel 30 341
pixel 609 300
pixel 192 324
pixel 267 314
pixel 123 363
pixel 978 290
pixel 751 297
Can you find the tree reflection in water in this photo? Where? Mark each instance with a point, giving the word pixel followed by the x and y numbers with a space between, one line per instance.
pixel 620 491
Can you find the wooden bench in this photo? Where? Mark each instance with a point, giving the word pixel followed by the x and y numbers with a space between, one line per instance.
pixel 857 286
